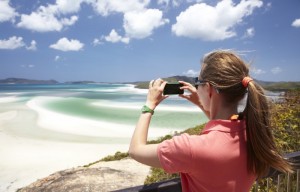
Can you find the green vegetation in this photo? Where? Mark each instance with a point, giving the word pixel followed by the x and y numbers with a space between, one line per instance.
pixel 285 122
pixel 117 156
pixel 279 86
pixel 26 81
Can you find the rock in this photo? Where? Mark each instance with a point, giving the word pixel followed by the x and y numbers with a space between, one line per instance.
pixel 103 176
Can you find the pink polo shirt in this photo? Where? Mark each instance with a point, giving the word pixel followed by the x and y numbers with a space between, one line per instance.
pixel 216 160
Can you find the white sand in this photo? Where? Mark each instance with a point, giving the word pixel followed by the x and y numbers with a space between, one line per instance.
pixel 27 153
pixel 23 161
pixel 8 99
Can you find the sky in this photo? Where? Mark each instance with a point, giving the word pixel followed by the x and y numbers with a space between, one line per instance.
pixel 136 40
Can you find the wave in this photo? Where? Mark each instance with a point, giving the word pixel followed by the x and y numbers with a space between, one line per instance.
pixel 114 88
pixel 59 122
pixel 9 99
pixel 138 105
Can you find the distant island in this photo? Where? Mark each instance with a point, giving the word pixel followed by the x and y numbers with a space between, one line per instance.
pixel 80 82
pixel 34 81
pixel 268 85
pixel 26 81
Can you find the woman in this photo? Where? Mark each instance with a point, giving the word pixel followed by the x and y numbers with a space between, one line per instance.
pixel 232 150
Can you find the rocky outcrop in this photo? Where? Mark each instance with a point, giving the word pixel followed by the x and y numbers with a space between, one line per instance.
pixel 103 176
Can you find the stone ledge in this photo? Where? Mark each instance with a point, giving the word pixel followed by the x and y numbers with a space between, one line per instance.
pixel 103 176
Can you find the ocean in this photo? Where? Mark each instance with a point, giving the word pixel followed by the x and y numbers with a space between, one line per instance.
pixel 111 104
pixel 47 128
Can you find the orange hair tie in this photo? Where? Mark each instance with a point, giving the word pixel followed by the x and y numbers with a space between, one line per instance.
pixel 246 81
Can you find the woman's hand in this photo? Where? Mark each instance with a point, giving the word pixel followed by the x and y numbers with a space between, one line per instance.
pixel 155 95
pixel 193 96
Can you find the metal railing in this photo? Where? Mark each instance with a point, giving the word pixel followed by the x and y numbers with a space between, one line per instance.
pixel 274 181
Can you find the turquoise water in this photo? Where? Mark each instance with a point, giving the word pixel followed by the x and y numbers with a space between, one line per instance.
pixel 113 103
pixel 47 128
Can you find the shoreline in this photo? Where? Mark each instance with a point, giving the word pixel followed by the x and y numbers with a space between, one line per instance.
pixel 35 152
pixel 53 121
pixel 36 141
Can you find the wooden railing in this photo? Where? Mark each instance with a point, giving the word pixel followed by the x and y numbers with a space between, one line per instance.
pixel 274 181
pixel 279 182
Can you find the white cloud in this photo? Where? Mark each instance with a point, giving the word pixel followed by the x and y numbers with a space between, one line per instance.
pixel 256 71
pixel 176 3
pixel 114 37
pixel 140 24
pixel 268 6
pixel 69 6
pixel 107 7
pixel 57 57
pixel 28 66
pixel 213 23
pixel 7 13
pixel 39 22
pixel 249 33
pixel 64 44
pixel 167 3
pixel 296 23
pixel 69 22
pixel 191 73
pixel 51 18
pixel 32 46
pixel 12 43
pixel 276 70
pixel 97 42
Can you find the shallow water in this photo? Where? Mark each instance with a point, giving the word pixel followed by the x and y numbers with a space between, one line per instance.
pixel 110 103
pixel 48 128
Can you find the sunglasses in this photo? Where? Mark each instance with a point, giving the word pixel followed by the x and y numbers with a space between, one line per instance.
pixel 199 82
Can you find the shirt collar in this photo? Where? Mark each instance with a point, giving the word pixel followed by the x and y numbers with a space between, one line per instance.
pixel 224 126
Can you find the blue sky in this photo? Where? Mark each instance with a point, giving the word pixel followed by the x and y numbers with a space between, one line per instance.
pixel 133 40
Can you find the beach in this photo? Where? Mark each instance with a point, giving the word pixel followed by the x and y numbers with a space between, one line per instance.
pixel 29 155
pixel 45 130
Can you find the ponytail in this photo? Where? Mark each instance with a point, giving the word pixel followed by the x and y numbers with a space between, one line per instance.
pixel 262 151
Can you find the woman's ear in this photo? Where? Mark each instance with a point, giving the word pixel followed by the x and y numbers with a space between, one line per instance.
pixel 209 89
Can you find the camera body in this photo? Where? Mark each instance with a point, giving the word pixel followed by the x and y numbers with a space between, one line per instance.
pixel 173 89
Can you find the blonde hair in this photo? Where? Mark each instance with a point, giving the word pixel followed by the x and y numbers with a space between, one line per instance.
pixel 225 71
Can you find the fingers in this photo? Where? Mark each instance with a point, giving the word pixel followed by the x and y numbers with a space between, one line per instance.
pixel 184 83
pixel 156 83
pixel 185 96
pixel 162 86
pixel 151 83
pixel 188 86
